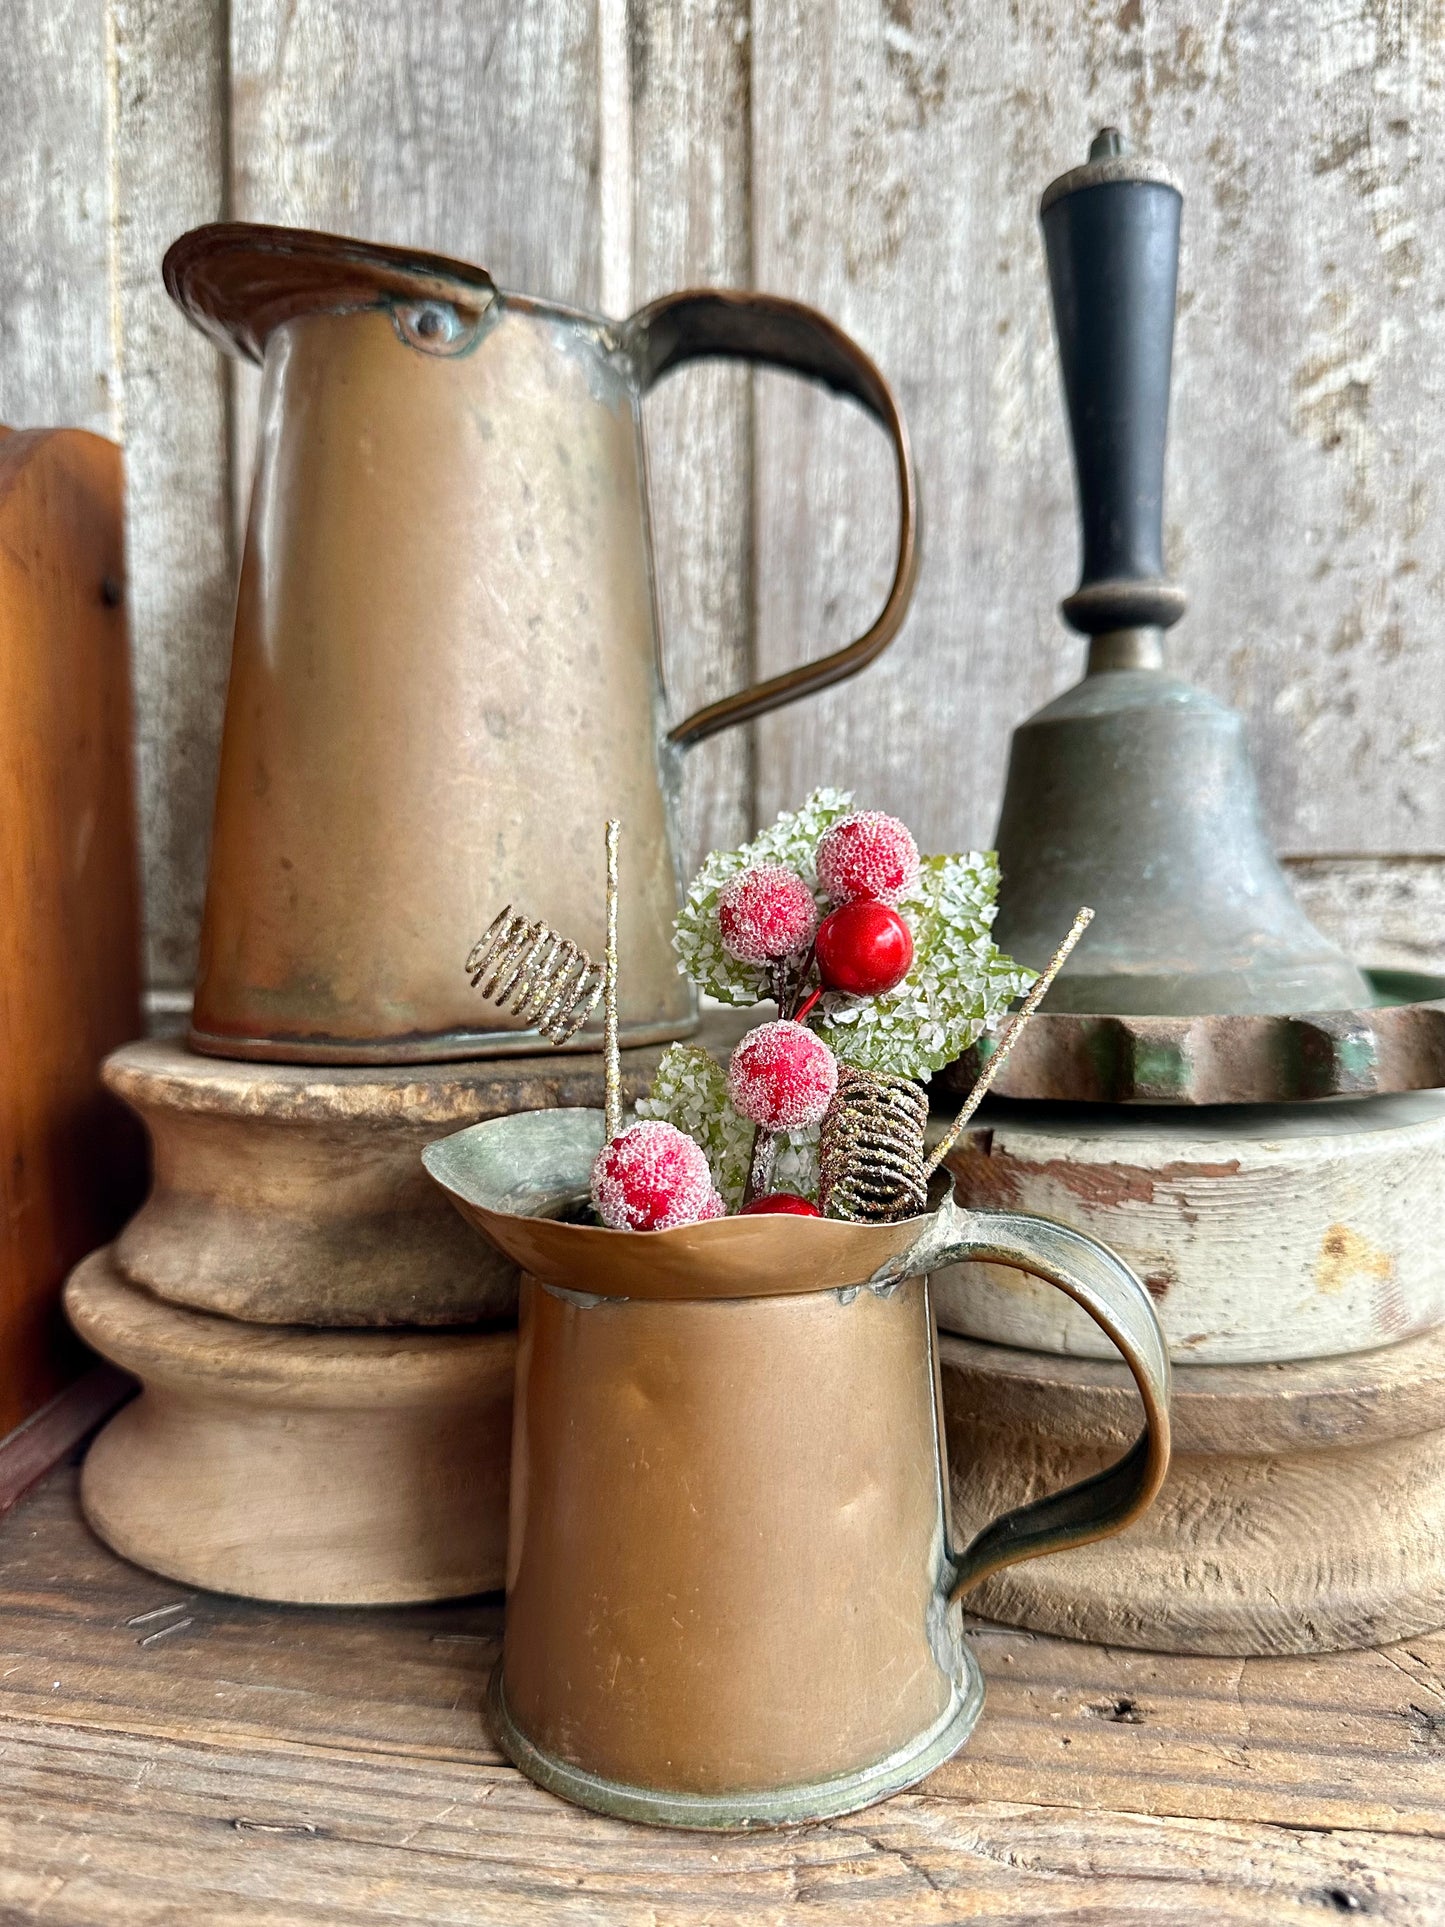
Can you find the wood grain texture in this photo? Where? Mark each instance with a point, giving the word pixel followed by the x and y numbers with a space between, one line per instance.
pixel 468 129
pixel 57 354
pixel 184 1756
pixel 50 1435
pixel 71 1163
pixel 169 157
pixel 1303 1512
pixel 1388 910
pixel 899 152
pixel 289 1195
pixel 472 130
pixel 691 149
pixel 281 1462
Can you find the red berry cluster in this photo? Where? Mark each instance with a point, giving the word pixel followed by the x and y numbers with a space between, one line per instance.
pixel 866 862
pixel 782 1076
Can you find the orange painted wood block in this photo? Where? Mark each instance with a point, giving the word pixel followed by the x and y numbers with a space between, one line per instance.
pixel 71 1161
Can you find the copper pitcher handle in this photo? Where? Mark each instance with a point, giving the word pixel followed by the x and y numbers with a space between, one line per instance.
pixel 1119 1304
pixel 735 325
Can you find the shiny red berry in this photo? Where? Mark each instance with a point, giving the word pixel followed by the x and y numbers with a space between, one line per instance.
pixel 785 1203
pixel 864 948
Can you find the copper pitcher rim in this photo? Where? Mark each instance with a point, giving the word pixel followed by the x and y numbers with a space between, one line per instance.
pixel 760 1256
pixel 237 281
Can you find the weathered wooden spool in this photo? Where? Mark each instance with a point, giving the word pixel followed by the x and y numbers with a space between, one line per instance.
pixel 1264 1232
pixel 1304 1510
pixel 319 1467
pixel 295 1195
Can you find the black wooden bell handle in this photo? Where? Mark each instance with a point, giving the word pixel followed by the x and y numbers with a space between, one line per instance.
pixel 1111 233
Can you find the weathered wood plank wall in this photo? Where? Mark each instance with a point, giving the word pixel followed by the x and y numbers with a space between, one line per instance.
pixel 882 158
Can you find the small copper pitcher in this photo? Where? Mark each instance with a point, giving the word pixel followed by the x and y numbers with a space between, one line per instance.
pixel 446 670
pixel 731 1599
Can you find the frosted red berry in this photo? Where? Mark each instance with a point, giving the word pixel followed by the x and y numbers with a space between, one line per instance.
pixel 867 854
pixel 766 913
pixel 782 1077
pixel 716 1207
pixel 864 948
pixel 784 1203
pixel 652 1177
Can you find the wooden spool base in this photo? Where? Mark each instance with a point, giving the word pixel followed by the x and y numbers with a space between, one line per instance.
pixel 1304 1511
pixel 318 1467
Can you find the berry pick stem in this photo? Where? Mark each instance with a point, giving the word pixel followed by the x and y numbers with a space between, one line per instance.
pixel 1006 1043
pixel 778 984
pixel 802 1004
pixel 800 1015
pixel 612 1062
pixel 760 1166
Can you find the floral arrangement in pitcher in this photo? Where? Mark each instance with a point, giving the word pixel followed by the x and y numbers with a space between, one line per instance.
pixel 882 968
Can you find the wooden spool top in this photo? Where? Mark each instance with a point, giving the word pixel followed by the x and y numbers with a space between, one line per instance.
pixel 162 1074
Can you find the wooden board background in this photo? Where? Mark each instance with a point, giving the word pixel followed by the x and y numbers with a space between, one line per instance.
pixel 882 158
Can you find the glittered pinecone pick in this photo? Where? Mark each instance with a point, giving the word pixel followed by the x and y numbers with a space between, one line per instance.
pixel 871 1153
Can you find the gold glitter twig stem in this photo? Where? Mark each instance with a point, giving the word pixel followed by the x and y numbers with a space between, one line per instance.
pixel 1006 1043
pixel 612 1070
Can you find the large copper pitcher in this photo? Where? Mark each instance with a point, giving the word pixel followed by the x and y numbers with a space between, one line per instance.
pixel 445 671
pixel 731 1598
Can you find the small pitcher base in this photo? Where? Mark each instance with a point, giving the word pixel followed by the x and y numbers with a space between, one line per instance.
pixel 760 1807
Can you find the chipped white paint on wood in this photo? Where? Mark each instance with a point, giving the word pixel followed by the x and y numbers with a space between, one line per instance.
pixel 1296 1232
pixel 882 158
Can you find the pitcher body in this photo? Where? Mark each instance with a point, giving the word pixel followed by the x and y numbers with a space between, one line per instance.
pixel 444 671
pixel 446 668
pixel 732 1598
pixel 722 1593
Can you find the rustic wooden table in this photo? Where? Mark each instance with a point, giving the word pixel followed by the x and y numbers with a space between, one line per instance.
pixel 175 1757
